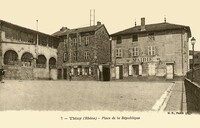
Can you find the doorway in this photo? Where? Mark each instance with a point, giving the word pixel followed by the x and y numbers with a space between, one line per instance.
pixel 64 73
pixel 106 73
pixel 119 72
pixel 170 71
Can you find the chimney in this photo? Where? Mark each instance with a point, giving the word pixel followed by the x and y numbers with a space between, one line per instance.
pixel 142 24
pixel 64 28
pixel 98 23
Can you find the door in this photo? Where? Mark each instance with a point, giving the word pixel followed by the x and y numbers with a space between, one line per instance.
pixel 121 72
pixel 106 73
pixel 59 74
pixel 170 71
pixel 64 73
pixel 135 70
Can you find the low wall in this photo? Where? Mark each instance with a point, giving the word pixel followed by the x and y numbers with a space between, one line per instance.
pixel 192 96
pixel 29 73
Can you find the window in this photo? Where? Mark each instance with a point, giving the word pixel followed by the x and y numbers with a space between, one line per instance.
pixel 151 50
pixel 65 57
pixel 119 40
pixel 79 37
pixel 135 38
pixel 151 36
pixel 86 41
pixel 65 42
pixel 75 41
pixel 135 51
pixel 75 56
pixel 86 55
pixel 119 52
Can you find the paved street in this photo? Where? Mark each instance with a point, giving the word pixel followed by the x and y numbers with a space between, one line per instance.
pixel 80 95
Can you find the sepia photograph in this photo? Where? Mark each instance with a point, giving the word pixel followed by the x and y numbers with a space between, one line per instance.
pixel 99 63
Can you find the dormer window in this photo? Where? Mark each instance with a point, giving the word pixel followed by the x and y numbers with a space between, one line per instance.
pixel 151 36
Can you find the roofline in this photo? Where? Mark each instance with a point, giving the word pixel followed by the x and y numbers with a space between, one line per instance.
pixel 26 29
pixel 139 32
pixel 66 33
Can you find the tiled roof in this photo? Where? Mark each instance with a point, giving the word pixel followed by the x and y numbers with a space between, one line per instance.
pixel 153 28
pixel 2 22
pixel 77 30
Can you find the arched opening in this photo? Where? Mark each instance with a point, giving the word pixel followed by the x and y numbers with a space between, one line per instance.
pixel 41 61
pixel 27 59
pixel 10 58
pixel 52 62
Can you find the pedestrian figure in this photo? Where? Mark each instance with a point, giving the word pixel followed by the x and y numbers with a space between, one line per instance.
pixel 2 72
pixel 70 76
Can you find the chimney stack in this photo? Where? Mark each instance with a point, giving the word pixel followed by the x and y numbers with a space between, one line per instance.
pixel 98 23
pixel 142 24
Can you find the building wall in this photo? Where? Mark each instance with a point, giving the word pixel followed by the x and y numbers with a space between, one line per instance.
pixel 103 45
pixel 18 71
pixel 169 48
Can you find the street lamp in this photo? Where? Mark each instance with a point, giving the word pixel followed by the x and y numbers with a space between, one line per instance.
pixel 193 41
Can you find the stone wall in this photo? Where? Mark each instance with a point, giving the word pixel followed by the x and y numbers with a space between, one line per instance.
pixel 192 96
pixel 103 46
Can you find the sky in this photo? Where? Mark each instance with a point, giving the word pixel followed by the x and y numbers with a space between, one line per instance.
pixel 116 15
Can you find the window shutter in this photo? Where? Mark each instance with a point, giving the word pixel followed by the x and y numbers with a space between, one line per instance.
pixel 140 69
pixel 72 71
pixel 90 71
pixel 79 70
pixel 83 71
pixel 122 52
pixel 130 70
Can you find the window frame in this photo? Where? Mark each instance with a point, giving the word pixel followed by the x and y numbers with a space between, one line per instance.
pixel 119 53
pixel 135 51
pixel 151 50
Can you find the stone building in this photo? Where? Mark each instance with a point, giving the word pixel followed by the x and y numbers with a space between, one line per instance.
pixel 196 58
pixel 85 52
pixel 27 54
pixel 142 51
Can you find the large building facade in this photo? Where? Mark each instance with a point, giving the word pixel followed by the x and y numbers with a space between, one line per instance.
pixel 159 50
pixel 85 52
pixel 27 54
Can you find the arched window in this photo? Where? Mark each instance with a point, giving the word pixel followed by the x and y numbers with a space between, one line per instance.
pixel 10 57
pixel 52 62
pixel 41 61
pixel 27 59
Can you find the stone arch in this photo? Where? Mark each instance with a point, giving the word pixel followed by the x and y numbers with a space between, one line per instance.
pixel 52 62
pixel 41 61
pixel 10 57
pixel 26 59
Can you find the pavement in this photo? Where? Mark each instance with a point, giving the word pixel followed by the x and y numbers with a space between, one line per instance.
pixel 177 100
